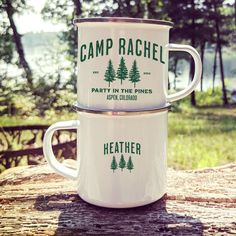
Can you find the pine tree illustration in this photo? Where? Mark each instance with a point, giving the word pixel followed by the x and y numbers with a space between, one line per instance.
pixel 122 71
pixel 134 74
pixel 130 165
pixel 122 162
pixel 114 164
pixel 110 73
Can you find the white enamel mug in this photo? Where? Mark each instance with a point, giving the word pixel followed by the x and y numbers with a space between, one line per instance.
pixel 121 157
pixel 123 63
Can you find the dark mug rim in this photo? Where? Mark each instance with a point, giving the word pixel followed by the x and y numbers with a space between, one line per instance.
pixel 79 108
pixel 123 19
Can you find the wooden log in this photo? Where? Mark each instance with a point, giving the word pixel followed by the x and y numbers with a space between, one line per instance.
pixel 36 201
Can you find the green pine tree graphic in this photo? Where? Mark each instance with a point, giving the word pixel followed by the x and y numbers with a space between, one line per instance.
pixel 122 71
pixel 122 162
pixel 130 165
pixel 110 73
pixel 134 74
pixel 114 164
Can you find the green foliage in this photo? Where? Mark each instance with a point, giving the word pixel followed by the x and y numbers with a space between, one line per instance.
pixel 122 71
pixel 61 11
pixel 43 102
pixel 208 98
pixel 110 73
pixel 122 162
pixel 22 105
pixel 116 8
pixel 6 44
pixel 134 73
pixel 65 99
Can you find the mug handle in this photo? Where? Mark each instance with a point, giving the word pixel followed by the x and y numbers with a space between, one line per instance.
pixel 197 71
pixel 48 152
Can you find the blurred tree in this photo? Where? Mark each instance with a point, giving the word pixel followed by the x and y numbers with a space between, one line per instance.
pixel 188 18
pixel 155 9
pixel 220 15
pixel 214 69
pixel 10 34
pixel 6 42
pixel 65 12
pixel 116 8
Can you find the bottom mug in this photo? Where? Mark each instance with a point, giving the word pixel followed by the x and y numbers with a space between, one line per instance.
pixel 121 158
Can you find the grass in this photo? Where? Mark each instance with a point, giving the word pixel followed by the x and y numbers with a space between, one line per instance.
pixel 203 137
pixel 198 137
pixel 33 120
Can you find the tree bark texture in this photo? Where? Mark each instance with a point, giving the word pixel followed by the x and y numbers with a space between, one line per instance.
pixel 193 98
pixel 214 69
pixel 19 47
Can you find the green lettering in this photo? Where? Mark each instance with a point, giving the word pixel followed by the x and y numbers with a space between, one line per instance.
pixel 109 44
pixel 147 49
pixel 90 52
pixel 130 48
pixel 154 52
pixel 111 147
pixel 138 148
pixel 138 51
pixel 121 46
pixel 82 55
pixel 121 147
pixel 105 148
pixel 132 148
pixel 99 48
pixel 161 55
pixel 116 148
pixel 126 147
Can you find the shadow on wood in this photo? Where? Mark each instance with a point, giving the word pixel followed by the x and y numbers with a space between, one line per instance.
pixel 78 217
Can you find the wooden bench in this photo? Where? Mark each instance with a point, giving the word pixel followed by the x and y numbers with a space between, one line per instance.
pixel 36 201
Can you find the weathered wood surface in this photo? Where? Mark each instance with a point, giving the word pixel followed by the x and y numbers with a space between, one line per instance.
pixel 36 201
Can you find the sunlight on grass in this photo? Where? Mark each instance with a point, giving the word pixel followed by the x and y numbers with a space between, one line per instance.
pixel 51 117
pixel 201 138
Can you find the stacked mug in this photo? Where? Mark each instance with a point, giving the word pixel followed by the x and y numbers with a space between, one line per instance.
pixel 122 111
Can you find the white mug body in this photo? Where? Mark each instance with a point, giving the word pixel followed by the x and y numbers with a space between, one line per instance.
pixel 123 64
pixel 122 159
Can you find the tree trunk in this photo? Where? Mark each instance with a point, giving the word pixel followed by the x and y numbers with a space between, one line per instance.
pixel 193 99
pixel 202 58
pixel 77 7
pixel 76 14
pixel 175 71
pixel 19 46
pixel 169 87
pixel 224 94
pixel 235 11
pixel 214 69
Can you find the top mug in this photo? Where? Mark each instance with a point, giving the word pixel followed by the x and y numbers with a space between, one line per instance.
pixel 123 64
